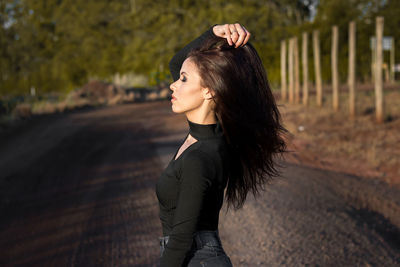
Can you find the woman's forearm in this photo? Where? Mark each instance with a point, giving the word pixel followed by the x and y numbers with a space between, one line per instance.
pixel 177 60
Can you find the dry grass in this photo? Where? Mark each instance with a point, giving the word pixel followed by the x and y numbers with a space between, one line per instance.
pixel 334 141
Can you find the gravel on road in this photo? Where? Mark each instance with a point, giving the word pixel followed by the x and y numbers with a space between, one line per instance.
pixel 78 189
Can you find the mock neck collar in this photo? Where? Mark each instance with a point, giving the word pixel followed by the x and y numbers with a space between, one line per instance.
pixel 205 131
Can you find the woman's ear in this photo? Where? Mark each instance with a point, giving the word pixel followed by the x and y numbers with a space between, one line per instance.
pixel 207 93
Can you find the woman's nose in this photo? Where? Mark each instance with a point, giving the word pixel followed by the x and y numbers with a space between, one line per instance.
pixel 172 86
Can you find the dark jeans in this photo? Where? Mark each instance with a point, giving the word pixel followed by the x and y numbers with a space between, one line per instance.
pixel 206 250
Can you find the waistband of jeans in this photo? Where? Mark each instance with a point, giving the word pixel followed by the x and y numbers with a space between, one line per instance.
pixel 207 238
pixel 201 238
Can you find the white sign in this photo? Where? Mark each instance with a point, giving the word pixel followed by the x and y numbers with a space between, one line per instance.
pixel 386 43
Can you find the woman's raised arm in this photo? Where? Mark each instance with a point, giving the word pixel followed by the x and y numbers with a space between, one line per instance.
pixel 177 60
pixel 234 33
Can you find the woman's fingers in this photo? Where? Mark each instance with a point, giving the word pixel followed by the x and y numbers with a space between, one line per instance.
pixel 242 35
pixel 247 36
pixel 239 35
pixel 234 37
pixel 234 34
pixel 228 34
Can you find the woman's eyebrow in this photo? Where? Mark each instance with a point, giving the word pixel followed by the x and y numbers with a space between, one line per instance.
pixel 184 72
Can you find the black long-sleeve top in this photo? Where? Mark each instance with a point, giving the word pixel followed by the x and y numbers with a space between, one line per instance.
pixel 190 190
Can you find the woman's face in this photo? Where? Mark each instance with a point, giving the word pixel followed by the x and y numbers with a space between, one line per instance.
pixel 187 93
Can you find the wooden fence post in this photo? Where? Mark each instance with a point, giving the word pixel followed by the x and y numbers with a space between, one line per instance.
pixel 352 67
pixel 305 69
pixel 296 71
pixel 317 65
pixel 378 70
pixel 291 71
pixel 373 61
pixel 335 75
pixel 283 70
pixel 392 62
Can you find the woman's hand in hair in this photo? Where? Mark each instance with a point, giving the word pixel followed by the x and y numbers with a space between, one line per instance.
pixel 234 33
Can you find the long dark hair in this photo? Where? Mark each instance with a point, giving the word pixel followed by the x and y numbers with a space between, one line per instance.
pixel 246 109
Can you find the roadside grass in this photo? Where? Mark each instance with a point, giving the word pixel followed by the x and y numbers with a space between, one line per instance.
pixel 359 146
pixel 14 110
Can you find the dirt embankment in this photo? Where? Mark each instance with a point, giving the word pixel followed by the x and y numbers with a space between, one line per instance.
pixel 94 93
pixel 331 140
pixel 358 146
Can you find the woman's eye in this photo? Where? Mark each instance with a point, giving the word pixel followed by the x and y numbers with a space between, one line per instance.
pixel 183 79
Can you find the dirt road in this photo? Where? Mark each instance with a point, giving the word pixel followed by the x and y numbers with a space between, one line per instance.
pixel 77 189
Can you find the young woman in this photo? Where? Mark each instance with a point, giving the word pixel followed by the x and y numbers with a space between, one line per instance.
pixel 234 133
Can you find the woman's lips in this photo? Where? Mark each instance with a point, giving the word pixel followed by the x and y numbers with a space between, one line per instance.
pixel 173 98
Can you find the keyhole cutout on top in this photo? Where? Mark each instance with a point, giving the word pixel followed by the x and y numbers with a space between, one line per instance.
pixel 190 140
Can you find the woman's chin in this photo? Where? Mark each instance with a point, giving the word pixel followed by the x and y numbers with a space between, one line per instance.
pixel 176 110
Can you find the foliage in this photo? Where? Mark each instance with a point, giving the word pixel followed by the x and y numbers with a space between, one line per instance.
pixel 57 45
pixel 340 13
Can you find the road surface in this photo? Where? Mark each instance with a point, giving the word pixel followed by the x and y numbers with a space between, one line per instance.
pixel 78 189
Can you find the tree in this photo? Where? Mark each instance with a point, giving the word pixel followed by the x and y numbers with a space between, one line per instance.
pixel 58 45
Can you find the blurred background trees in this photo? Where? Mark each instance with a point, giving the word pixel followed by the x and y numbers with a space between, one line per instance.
pixel 58 45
